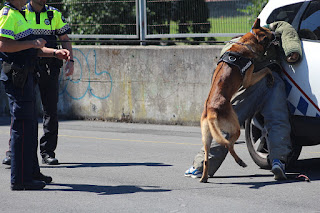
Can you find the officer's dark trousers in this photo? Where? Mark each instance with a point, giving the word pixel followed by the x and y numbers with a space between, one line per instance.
pixel 24 130
pixel 48 86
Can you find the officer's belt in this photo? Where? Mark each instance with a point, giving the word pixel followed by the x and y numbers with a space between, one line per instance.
pixel 8 67
pixel 237 60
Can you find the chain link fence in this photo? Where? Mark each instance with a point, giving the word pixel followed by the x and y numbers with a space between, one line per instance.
pixel 158 19
pixel 100 18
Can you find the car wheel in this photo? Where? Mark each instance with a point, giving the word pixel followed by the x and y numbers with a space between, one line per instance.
pixel 256 140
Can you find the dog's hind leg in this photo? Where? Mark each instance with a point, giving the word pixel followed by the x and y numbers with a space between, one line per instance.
pixel 234 154
pixel 232 126
pixel 206 140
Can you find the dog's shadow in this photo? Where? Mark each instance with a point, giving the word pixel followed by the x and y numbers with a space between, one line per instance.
pixel 105 190
pixel 307 167
pixel 95 165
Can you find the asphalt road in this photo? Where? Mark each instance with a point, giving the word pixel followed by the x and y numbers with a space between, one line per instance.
pixel 119 167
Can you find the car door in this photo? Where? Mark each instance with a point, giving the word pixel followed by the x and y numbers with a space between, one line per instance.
pixel 302 79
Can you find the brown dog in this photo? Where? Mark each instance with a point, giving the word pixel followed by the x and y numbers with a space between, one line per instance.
pixel 218 114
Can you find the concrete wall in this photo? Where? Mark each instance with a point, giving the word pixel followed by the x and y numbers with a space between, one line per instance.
pixel 152 84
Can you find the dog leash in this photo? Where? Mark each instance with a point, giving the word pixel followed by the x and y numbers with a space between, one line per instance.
pixel 302 177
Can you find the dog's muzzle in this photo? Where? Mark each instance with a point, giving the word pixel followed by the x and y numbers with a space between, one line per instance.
pixel 274 40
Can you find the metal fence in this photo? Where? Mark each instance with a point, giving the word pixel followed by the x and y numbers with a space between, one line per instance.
pixel 155 19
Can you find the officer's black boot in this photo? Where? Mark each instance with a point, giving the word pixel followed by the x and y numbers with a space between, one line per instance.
pixel 33 185
pixel 7 159
pixel 42 177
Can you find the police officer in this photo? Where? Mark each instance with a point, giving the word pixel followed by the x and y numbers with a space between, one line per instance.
pixel 48 23
pixel 18 52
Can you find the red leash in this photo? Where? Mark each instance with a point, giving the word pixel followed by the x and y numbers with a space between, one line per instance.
pixel 302 177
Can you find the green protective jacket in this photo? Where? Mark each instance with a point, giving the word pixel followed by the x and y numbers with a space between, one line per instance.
pixel 289 42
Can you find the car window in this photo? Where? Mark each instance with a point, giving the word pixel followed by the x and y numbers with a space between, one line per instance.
pixel 310 23
pixel 286 13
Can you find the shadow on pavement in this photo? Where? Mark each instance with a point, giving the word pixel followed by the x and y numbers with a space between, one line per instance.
pixel 307 167
pixel 243 176
pixel 5 121
pixel 85 165
pixel 106 190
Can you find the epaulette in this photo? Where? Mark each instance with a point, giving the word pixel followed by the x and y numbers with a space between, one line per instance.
pixel 53 8
pixel 5 11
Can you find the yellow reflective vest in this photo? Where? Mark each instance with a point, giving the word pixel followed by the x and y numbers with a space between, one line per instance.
pixel 13 25
pixel 48 24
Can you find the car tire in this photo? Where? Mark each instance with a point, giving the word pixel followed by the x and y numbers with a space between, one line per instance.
pixel 256 140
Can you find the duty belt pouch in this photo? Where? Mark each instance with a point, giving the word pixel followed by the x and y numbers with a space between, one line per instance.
pixel 19 75
pixel 53 63
pixel 6 67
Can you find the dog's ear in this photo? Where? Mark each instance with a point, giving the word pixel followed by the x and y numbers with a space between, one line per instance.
pixel 256 24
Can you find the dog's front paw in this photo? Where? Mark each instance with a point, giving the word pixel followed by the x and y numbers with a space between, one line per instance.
pixel 204 180
pixel 241 163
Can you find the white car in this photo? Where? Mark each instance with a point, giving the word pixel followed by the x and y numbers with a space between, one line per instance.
pixel 302 80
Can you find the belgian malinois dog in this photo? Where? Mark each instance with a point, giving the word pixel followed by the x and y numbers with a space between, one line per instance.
pixel 218 114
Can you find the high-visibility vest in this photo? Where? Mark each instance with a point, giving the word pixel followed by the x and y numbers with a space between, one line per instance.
pixel 48 24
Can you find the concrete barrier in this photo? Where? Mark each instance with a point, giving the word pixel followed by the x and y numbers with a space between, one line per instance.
pixel 146 84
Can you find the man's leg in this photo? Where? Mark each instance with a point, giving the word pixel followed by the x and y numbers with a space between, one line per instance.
pixel 217 155
pixel 22 135
pixel 7 159
pixel 48 86
pixel 276 121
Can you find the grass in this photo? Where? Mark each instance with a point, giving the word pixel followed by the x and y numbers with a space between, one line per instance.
pixel 238 24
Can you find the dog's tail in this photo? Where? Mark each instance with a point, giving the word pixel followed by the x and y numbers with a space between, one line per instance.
pixel 216 131
pixel 217 135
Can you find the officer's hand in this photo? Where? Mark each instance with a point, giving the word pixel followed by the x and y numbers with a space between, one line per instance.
pixel 39 43
pixel 63 54
pixel 293 57
pixel 69 68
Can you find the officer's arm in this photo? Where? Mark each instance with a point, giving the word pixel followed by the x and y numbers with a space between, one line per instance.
pixel 66 45
pixel 69 68
pixel 49 52
pixel 9 45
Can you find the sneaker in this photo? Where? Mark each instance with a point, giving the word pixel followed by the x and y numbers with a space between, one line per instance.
pixel 278 169
pixel 192 172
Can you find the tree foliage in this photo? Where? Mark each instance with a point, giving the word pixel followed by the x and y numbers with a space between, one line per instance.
pixel 254 9
pixel 99 17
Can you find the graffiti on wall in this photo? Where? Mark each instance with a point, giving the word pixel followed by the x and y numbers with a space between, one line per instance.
pixel 86 78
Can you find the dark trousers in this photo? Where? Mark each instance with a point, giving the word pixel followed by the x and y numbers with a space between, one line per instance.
pixel 49 89
pixel 24 130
